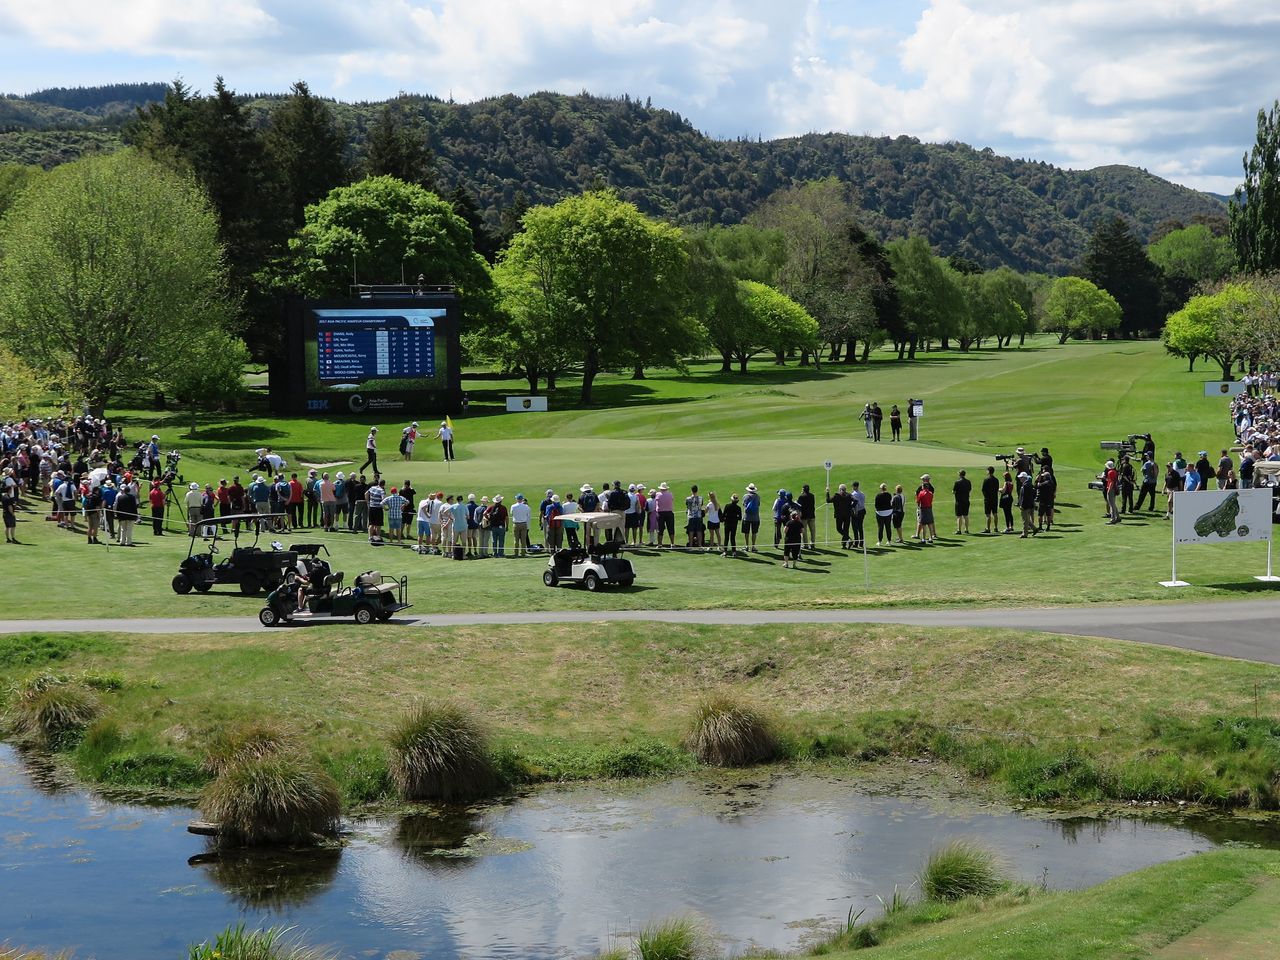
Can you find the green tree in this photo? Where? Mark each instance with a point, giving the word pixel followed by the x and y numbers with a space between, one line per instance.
pixel 714 304
pixel 214 140
pixel 1115 261
pixel 14 178
pixel 111 272
pixel 524 335
pixel 20 384
pixel 1076 307
pixel 1192 256
pixel 396 146
pixel 1010 302
pixel 209 373
pixel 777 323
pixel 307 148
pixel 1255 206
pixel 1213 325
pixel 384 229
pixel 925 294
pixel 749 252
pixel 608 273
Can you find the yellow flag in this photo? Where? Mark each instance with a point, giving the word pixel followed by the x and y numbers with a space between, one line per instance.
pixel 448 421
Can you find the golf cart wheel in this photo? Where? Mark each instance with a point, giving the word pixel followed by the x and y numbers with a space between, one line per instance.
pixel 267 617
pixel 204 587
pixel 250 585
pixel 364 614
pixel 181 583
pixel 591 581
pixel 549 577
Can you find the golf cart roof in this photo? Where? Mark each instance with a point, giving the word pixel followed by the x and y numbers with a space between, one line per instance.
pixel 597 522
pixel 1268 468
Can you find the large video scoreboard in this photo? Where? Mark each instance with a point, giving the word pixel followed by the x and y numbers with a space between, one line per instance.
pixel 392 353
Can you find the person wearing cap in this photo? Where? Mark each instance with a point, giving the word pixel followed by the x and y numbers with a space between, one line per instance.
pixel 521 514
pixel 1111 489
pixel 730 517
pixel 445 436
pixel 324 492
pixel 926 531
pixel 1205 469
pixel 260 497
pixel 374 497
pixel 1150 477
pixel 751 518
pixel 1027 505
pixel 809 514
pixel 481 516
pixel 793 536
pixel 991 500
pixel 497 514
pixel 311 497
pixel 666 514
pixel 208 502
pixel 1127 483
pixel 92 511
pixel 542 516
pixel 155 497
pixel 553 533
pixel 652 520
pixel 192 503
pixel 408 437
pixel 1191 480
pixel 424 523
pixel 126 509
pixel 370 451
pixel 781 514
pixel 297 495
pixel 109 493
pixel 898 504
pixel 631 516
pixel 341 502
pixel 153 457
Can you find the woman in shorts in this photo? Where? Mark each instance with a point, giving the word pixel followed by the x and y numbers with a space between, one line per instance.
pixel 712 516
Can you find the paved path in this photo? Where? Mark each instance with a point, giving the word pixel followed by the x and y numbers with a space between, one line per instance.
pixel 1245 629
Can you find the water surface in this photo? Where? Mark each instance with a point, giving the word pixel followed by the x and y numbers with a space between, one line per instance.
pixel 764 859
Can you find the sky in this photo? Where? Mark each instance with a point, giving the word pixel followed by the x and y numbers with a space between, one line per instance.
pixel 1172 86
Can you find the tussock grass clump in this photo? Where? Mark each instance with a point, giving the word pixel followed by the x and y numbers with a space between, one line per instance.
pixel 52 710
pixel 441 753
pixel 274 799
pixel 237 943
pixel 677 939
pixel 253 740
pixel 727 733
pixel 960 869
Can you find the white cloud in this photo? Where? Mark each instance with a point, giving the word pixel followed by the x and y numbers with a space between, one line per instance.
pixel 1169 86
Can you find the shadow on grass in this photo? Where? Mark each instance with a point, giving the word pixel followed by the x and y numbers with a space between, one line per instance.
pixel 1249 586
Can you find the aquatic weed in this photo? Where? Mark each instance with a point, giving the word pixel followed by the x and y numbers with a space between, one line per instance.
pixel 960 868
pixel 52 710
pixel 273 799
pixel 238 943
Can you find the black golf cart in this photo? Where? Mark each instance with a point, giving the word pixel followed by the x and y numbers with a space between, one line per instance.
pixel 251 568
pixel 371 597
pixel 591 557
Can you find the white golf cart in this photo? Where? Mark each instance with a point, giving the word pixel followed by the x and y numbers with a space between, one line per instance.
pixel 591 555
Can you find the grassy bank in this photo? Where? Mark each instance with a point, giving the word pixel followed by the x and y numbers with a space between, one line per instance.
pixel 1042 717
pixel 1218 905
pixel 774 426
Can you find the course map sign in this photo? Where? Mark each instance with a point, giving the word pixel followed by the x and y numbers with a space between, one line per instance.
pixel 1222 516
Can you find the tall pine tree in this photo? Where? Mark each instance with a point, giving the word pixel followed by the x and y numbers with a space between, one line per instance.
pixel 1116 261
pixel 1255 209
pixel 307 148
pixel 397 147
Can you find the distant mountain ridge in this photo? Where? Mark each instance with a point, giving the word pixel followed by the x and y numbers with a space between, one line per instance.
pixel 510 150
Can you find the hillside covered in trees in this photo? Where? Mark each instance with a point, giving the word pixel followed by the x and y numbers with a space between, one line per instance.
pixel 509 152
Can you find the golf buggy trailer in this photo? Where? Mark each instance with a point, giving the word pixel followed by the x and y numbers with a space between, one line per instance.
pixel 371 597
pixel 591 558
pixel 251 568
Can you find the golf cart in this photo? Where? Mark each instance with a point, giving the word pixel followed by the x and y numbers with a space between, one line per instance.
pixel 251 568
pixel 591 557
pixel 372 597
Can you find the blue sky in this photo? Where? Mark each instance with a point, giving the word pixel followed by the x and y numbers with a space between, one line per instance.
pixel 1173 86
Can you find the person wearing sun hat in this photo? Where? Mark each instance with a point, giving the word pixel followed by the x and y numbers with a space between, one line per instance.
pixel 497 514
pixel 666 514
pixel 750 518
pixel 192 502
pixel 521 514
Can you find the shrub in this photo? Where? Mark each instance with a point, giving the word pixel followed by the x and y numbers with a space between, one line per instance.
pixel 275 799
pixel 253 740
pixel 237 943
pixel 960 869
pixel 676 939
pixel 727 733
pixel 52 709
pixel 441 753
pixel 642 759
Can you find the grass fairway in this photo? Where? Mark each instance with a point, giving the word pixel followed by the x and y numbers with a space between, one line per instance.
pixel 1173 911
pixel 1045 717
pixel 773 426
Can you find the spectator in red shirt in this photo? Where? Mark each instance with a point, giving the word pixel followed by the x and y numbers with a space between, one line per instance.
pixel 156 498
pixel 926 532
pixel 1111 485
pixel 295 501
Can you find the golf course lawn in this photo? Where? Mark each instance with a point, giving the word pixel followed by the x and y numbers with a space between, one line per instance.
pixel 774 426
pixel 1215 906
pixel 1042 717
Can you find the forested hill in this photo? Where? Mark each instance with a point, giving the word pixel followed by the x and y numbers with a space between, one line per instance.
pixel 510 150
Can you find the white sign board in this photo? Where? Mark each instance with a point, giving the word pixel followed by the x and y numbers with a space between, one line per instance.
pixel 1223 388
pixel 1222 516
pixel 917 409
pixel 828 464
pixel 526 404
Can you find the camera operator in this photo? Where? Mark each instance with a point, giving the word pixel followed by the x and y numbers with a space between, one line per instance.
pixel 1043 459
pixel 1127 483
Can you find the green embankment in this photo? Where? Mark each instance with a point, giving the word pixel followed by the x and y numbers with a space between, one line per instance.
pixel 1215 906
pixel 1041 717
pixel 774 426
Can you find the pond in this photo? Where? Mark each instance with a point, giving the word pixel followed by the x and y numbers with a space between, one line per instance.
pixel 765 858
